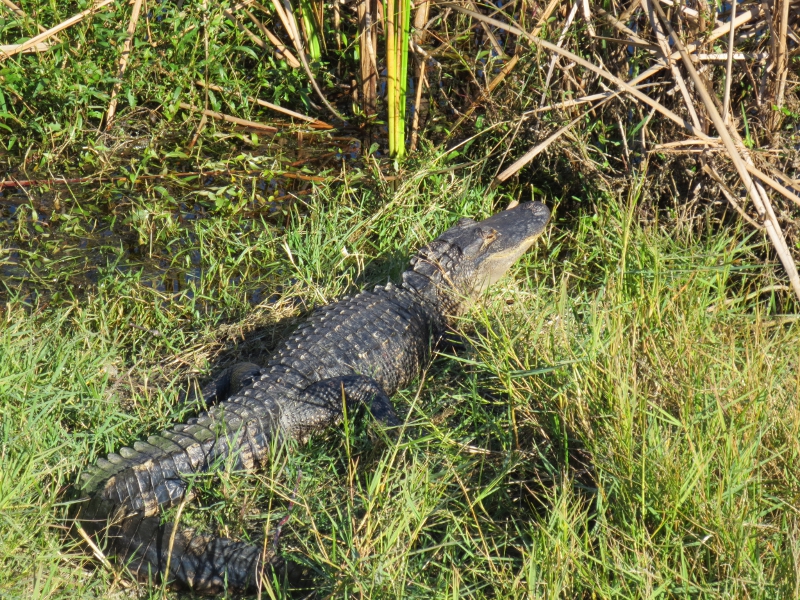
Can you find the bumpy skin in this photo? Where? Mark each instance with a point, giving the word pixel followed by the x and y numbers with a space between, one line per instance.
pixel 362 349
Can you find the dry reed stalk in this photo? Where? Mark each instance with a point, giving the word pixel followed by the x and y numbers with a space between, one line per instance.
pixel 622 28
pixel 172 540
pixel 337 23
pixel 23 15
pixel 45 35
pixel 368 44
pixel 680 143
pixel 223 117
pixel 279 10
pixel 253 37
pixel 538 149
pixel 689 13
pixel 551 6
pixel 123 62
pixel 730 197
pixel 625 86
pixel 489 35
pixel 418 35
pixel 15 9
pixel 781 175
pixel 582 100
pixel 417 101
pixel 551 67
pixel 282 52
pixel 496 81
pixel 726 101
pixel 197 132
pixel 626 14
pixel 772 183
pixel 782 60
pixel 316 123
pixel 647 6
pixel 286 14
pixel 587 16
pixel 12 49
pixel 714 35
pixel 756 192
pixel 723 56
pixel 638 44
pixel 420 19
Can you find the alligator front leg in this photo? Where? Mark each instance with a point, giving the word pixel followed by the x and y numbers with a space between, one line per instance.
pixel 322 404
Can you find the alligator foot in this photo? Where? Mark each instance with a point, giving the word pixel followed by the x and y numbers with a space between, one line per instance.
pixel 323 403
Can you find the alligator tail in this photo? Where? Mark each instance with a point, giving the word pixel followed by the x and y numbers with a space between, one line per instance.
pixel 129 492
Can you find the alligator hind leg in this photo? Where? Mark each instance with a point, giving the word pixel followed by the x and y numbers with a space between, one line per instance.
pixel 224 385
pixel 322 404
pixel 229 382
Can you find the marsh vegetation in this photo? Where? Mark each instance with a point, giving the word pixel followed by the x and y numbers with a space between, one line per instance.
pixel 619 418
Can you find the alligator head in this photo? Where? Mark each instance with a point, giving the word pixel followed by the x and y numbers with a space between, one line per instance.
pixel 469 257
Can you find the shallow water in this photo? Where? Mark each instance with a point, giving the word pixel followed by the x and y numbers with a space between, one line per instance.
pixel 58 238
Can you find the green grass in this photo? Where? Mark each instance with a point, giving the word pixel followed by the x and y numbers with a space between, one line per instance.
pixel 620 422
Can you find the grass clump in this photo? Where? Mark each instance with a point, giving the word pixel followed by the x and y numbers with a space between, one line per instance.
pixel 619 421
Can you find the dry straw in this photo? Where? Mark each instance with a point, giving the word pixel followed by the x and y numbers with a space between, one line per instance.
pixel 700 108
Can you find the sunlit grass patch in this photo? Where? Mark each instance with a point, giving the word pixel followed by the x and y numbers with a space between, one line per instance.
pixel 618 418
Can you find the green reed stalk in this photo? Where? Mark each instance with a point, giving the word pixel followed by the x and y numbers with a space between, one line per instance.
pixel 398 20
pixel 311 30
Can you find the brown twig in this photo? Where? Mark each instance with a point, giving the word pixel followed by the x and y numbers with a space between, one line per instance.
pixel 11 49
pixel 417 102
pixel 281 51
pixel 223 117
pixel 23 15
pixel 496 81
pixel 286 13
pixel 782 59
pixel 489 35
pixel 729 195
pixel 625 86
pixel 551 6
pixel 368 46
pixel 123 62
pixel 315 123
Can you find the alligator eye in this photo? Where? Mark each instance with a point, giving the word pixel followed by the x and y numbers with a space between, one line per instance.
pixel 488 235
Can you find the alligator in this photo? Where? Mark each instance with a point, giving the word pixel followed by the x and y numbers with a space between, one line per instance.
pixel 355 352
